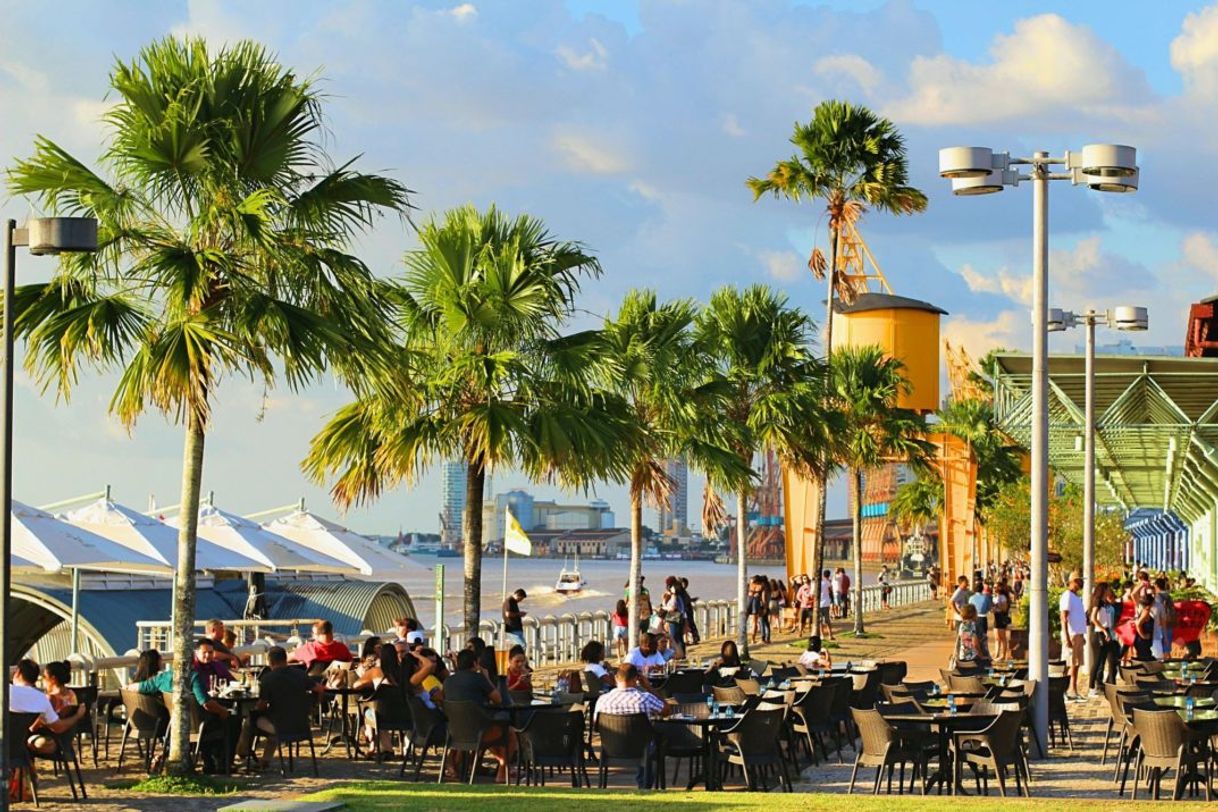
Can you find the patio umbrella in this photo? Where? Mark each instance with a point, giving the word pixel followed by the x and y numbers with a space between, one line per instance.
pixel 332 539
pixel 155 539
pixel 41 540
pixel 253 541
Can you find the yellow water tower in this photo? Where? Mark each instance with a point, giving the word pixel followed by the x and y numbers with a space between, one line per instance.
pixel 905 328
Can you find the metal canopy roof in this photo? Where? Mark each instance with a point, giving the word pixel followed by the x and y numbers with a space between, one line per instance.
pixel 1156 425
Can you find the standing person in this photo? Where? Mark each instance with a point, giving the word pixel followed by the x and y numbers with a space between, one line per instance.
pixel 1001 615
pixel 621 628
pixel 778 601
pixel 644 605
pixel 1105 648
pixel 1074 627
pixel 885 590
pixel 513 619
pixel 847 608
pixel 826 602
pixel 958 601
pixel 967 648
pixel 805 597
pixel 1017 585
pixel 1144 629
pixel 839 599
pixel 690 623
pixel 763 585
pixel 674 616
pixel 1165 617
pixel 982 601
pixel 754 607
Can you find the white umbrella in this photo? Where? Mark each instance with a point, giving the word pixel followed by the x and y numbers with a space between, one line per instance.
pixel 41 539
pixel 252 541
pixel 336 541
pixel 156 539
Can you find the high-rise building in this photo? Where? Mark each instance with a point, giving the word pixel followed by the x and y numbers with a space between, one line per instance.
pixel 674 519
pixel 452 501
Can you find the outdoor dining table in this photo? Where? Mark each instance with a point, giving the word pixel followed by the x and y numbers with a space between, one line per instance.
pixel 709 727
pixel 945 724
pixel 1180 702
pixel 1203 721
pixel 514 712
pixel 348 734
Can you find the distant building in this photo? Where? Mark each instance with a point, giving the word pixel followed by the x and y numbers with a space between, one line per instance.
pixel 537 515
pixel 1123 346
pixel 452 500
pixel 674 520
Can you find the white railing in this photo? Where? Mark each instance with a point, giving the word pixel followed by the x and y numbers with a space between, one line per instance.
pixel 903 593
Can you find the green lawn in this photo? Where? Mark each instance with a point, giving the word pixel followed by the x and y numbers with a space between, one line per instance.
pixel 383 796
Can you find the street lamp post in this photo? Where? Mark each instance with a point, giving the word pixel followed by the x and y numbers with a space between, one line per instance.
pixel 43 235
pixel 979 171
pixel 1119 318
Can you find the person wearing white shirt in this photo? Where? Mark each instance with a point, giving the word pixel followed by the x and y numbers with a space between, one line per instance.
pixel 1074 628
pixel 646 656
pixel 23 697
pixel 815 656
pixel 826 603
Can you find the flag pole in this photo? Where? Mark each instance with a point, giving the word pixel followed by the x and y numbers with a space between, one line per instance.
pixel 503 624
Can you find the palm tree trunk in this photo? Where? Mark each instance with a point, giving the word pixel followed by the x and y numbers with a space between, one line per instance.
pixel 184 587
pixel 856 486
pixel 742 572
pixel 818 537
pixel 636 566
pixel 471 531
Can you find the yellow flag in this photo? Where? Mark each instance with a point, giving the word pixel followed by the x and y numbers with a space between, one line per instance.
pixel 514 537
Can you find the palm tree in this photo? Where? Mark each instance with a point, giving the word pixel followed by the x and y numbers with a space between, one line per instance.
pixel 224 236
pixel 919 502
pixel 864 386
pixel 485 375
pixel 761 348
pixel 668 387
pixel 851 159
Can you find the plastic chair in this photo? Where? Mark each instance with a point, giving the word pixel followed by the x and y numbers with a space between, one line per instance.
pixel 753 744
pixel 147 722
pixel 468 722
pixel 1168 744
pixel 625 737
pixel 881 747
pixel 996 747
pixel 87 696
pixel 551 739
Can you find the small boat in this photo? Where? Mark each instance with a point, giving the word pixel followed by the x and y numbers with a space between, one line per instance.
pixel 570 582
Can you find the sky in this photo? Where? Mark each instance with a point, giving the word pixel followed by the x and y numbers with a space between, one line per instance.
pixel 632 127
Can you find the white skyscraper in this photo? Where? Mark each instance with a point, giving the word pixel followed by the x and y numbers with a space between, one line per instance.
pixel 452 500
pixel 676 519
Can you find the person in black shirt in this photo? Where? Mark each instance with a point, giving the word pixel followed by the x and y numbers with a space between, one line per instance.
pixel 470 682
pixel 513 624
pixel 282 691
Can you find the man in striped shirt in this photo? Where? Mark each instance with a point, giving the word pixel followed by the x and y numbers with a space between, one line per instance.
pixel 627 699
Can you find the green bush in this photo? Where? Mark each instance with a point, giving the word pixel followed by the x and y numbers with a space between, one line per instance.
pixel 1020 616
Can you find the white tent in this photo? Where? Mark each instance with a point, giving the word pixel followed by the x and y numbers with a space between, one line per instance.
pixel 332 539
pixel 253 541
pixel 156 539
pixel 41 539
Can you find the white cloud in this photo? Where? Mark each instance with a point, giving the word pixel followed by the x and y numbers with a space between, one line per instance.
pixel 850 66
pixel 1194 53
pixel 785 266
pixel 595 58
pixel 463 12
pixel 1008 331
pixel 1016 287
pixel 644 189
pixel 585 154
pixel 1045 65
pixel 731 126
pixel 1199 251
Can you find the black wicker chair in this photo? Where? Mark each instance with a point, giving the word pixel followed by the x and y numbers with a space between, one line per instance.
pixel 882 747
pixel 20 759
pixel 626 737
pixel 754 745
pixel 1169 744
pixel 147 723
pixel 428 729
pixel 1057 712
pixel 996 747
pixel 293 726
pixel 468 722
pixel 552 739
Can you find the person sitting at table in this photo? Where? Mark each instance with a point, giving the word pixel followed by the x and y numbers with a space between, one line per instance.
pixel 628 698
pixel 1144 628
pixel 665 648
pixel 519 675
pixel 645 656
pixel 382 671
pixel 224 650
pixel 162 683
pixel 593 657
pixel 815 656
pixel 369 655
pixel 727 663
pixel 323 649
pixel 55 679
pixel 423 674
pixel 279 691
pixel 471 683
pixel 24 697
pixel 210 670
pixel 409 632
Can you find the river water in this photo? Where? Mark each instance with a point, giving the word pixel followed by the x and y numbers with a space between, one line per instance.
pixel 537 576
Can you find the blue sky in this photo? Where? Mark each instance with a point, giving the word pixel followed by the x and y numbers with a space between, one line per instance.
pixel 632 127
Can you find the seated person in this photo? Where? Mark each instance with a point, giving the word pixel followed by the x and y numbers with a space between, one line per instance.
pixel 593 658
pixel 519 675
pixel 471 683
pixel 211 671
pixel 627 699
pixel 162 683
pixel 646 656
pixel 24 697
pixel 665 648
pixel 728 663
pixel 369 656
pixel 426 675
pixel 815 656
pixel 55 678
pixel 220 636
pixel 322 650
pixel 280 692
pixel 409 631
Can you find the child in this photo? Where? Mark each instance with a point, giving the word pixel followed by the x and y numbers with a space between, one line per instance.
pixel 968 647
pixel 621 631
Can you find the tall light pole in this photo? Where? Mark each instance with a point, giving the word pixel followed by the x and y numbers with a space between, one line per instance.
pixel 979 171
pixel 43 235
pixel 1119 318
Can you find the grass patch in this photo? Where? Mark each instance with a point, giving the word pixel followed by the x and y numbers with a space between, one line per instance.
pixel 864 636
pixel 385 796
pixel 179 785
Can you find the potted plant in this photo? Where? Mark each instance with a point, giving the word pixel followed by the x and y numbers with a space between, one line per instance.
pixel 1018 632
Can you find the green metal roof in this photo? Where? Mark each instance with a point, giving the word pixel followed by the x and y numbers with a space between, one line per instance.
pixel 1156 425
